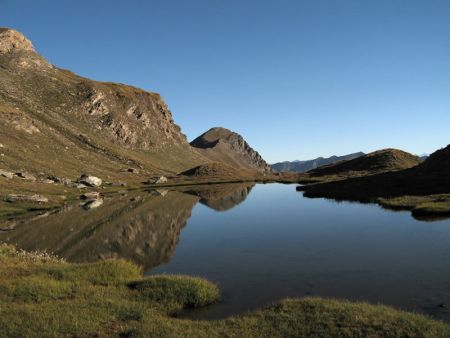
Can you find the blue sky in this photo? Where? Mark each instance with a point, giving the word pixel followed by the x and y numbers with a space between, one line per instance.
pixel 298 79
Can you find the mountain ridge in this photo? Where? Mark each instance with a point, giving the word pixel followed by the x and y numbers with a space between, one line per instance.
pixel 306 165
pixel 378 161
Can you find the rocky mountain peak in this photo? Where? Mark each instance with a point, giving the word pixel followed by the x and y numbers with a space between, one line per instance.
pixel 11 40
pixel 223 145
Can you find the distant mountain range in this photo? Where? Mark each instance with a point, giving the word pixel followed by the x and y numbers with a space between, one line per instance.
pixel 304 166
pixel 376 162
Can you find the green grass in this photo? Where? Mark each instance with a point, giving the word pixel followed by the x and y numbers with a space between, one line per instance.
pixel 437 205
pixel 42 296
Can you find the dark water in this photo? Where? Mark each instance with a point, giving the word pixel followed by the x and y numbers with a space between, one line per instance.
pixel 260 244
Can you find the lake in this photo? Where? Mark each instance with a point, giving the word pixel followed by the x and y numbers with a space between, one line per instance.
pixel 260 243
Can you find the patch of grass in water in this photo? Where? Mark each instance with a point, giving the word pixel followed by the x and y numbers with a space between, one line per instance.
pixel 438 205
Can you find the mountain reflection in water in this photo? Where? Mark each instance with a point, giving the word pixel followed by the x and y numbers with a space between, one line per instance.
pixel 143 227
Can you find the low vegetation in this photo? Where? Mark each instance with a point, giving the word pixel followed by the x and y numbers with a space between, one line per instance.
pixel 438 205
pixel 44 296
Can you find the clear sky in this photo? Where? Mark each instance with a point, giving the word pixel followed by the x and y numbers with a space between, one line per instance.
pixel 298 79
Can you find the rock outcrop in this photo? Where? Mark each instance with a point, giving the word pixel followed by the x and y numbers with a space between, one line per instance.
pixel 222 145
pixel 11 40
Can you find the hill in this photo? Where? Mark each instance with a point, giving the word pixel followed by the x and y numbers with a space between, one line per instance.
pixel 53 122
pixel 380 161
pixel 432 176
pixel 304 166
pixel 225 146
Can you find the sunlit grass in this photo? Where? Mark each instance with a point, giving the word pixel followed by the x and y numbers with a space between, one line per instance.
pixel 44 296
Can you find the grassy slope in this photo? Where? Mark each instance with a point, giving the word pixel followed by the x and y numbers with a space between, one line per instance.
pixel 44 297
pixel 414 188
pixel 381 161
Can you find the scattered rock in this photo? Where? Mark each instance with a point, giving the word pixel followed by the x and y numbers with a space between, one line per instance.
pixel 157 180
pixel 26 176
pixel 48 181
pixel 133 170
pixel 53 178
pixel 93 204
pixel 26 198
pixel 66 181
pixel 158 192
pixel 116 184
pixel 81 186
pixel 7 174
pixel 162 192
pixel 91 181
pixel 93 195
pixel 8 225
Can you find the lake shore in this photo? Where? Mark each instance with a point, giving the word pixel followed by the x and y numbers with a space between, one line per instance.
pixel 47 296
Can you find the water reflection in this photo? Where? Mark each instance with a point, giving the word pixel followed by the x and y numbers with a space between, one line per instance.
pixel 143 227
pixel 222 197
pixel 275 245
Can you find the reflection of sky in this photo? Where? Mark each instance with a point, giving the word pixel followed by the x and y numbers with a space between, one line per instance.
pixel 278 244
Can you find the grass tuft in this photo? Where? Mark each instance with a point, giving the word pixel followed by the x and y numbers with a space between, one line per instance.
pixel 177 291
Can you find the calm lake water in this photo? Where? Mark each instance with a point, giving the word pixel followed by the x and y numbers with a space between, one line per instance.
pixel 260 243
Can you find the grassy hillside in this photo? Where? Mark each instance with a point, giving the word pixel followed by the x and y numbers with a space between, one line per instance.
pixel 431 177
pixel 373 163
pixel 55 122
pixel 46 297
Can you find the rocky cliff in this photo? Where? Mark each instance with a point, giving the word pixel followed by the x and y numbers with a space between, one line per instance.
pixel 223 145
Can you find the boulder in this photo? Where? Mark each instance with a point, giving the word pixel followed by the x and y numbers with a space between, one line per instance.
pixel 93 195
pixel 90 181
pixel 26 198
pixel 133 170
pixel 159 192
pixel 48 181
pixel 93 204
pixel 157 180
pixel 66 181
pixel 7 174
pixel 26 176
